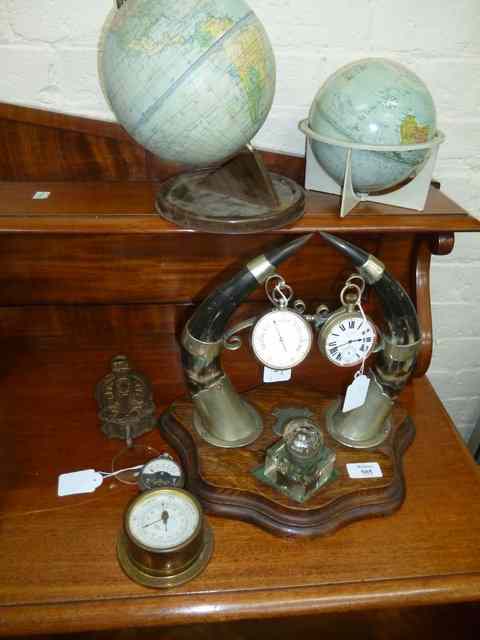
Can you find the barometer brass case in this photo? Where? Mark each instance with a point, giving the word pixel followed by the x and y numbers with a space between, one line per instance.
pixel 168 567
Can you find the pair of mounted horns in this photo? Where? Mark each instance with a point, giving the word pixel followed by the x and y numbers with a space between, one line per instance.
pixel 221 416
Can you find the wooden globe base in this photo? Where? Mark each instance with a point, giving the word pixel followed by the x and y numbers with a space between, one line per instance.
pixel 239 197
pixel 222 479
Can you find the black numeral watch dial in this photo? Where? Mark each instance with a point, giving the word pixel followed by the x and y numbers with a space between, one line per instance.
pixel 347 339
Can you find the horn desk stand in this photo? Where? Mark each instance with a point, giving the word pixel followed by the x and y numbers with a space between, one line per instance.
pixel 222 479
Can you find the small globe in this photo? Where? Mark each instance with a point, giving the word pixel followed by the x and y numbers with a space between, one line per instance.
pixel 191 81
pixel 374 102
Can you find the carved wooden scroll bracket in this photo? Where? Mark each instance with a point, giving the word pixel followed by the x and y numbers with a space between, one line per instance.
pixel 439 244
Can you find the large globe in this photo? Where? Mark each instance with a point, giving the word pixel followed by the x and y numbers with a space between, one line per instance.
pixel 375 102
pixel 192 80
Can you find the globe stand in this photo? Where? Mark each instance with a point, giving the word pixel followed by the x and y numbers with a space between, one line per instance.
pixel 241 196
pixel 412 195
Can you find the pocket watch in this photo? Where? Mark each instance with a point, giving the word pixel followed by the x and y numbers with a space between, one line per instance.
pixel 282 338
pixel 348 337
pixel 165 540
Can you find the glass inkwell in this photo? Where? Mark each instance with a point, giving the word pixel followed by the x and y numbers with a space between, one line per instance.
pixel 299 464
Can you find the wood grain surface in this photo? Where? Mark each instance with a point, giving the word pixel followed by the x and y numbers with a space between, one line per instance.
pixel 223 481
pixel 129 207
pixel 58 565
pixel 44 149
pixel 174 269
pixel 447 622
pixel 36 144
pixel 146 333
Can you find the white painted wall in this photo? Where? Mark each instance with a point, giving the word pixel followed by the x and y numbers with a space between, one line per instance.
pixel 48 58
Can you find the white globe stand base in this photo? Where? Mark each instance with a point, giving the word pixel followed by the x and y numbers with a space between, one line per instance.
pixel 412 195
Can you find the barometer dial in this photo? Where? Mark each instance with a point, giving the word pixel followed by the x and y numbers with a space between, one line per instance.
pixel 163 520
pixel 165 540
pixel 281 339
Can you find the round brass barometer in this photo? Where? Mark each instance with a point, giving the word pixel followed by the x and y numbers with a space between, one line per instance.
pixel 165 540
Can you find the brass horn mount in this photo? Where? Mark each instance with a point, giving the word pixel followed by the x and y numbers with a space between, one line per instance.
pixel 369 425
pixel 221 416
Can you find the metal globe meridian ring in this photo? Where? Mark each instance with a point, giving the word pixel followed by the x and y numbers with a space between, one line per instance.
pixel 304 126
pixel 374 102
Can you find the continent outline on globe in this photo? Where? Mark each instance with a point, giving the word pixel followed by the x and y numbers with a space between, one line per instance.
pixel 374 102
pixel 192 82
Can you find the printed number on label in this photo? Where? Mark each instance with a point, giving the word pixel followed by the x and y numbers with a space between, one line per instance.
pixel 361 470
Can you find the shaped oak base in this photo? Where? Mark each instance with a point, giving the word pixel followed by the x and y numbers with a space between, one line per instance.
pixel 222 478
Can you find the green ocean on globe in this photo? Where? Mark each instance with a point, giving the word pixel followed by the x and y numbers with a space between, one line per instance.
pixel 376 102
pixel 191 81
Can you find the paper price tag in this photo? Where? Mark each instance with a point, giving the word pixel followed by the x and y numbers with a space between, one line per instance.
pixel 87 481
pixel 356 393
pixel 41 195
pixel 274 375
pixel 362 470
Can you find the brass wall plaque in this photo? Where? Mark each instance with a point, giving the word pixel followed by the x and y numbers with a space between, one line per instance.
pixel 124 397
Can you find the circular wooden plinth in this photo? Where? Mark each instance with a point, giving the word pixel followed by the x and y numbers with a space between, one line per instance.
pixel 188 203
pixel 222 479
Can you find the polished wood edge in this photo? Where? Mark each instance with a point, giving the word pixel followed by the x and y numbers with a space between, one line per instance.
pixel 90 207
pixel 63 121
pixel 281 520
pixel 164 610
pixel 421 287
pixel 89 224
pixel 440 244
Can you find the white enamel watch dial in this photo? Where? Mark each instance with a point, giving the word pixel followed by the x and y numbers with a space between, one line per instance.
pixel 281 339
pixel 348 339
pixel 163 519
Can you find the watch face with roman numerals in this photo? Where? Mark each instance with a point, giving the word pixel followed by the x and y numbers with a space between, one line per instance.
pixel 349 340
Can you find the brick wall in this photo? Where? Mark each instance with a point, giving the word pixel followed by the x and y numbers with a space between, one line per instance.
pixel 48 57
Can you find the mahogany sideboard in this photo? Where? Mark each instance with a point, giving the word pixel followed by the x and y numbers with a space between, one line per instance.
pixel 92 271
